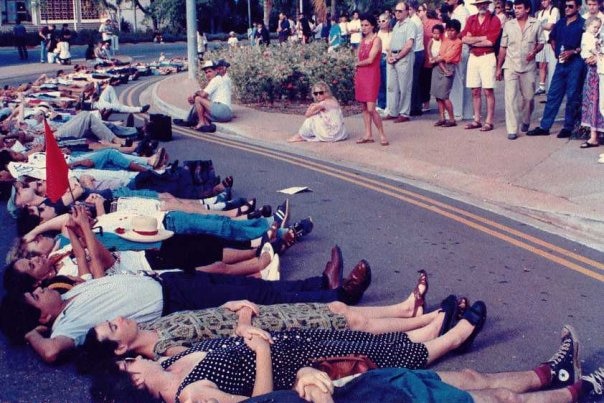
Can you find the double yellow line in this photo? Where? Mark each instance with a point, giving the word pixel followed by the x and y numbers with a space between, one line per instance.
pixel 551 252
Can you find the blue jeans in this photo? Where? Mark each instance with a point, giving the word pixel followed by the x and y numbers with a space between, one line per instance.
pixel 381 100
pixel 567 80
pixel 110 158
pixel 219 226
pixel 43 52
pixel 126 192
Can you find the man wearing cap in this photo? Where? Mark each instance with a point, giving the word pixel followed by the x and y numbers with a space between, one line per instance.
pixel 480 34
pixel 400 65
pixel 213 103
pixel 565 38
pixel 522 39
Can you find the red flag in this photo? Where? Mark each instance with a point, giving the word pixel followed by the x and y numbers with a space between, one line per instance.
pixel 57 181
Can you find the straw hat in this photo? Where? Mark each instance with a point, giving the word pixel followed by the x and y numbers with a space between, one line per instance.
pixel 144 229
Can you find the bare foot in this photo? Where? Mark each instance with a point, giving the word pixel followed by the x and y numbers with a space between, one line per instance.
pixel 295 139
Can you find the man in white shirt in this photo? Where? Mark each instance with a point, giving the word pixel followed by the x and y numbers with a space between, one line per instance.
pixel 354 29
pixel 213 103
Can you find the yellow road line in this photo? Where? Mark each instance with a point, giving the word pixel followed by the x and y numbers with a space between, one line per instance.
pixel 425 202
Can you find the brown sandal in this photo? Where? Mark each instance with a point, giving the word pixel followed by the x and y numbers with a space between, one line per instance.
pixel 420 297
pixel 474 125
pixel 487 127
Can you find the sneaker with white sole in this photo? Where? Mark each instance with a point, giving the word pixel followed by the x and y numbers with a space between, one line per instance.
pixel 282 214
pixel 596 379
pixel 565 364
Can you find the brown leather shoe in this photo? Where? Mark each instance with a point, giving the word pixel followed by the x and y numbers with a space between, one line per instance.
pixel 389 117
pixel 356 283
pixel 401 119
pixel 332 275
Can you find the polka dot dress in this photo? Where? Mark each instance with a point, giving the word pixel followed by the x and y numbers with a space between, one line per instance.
pixel 231 365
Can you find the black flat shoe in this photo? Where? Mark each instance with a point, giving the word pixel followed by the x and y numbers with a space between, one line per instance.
pixel 477 316
pixel 587 144
pixel 449 307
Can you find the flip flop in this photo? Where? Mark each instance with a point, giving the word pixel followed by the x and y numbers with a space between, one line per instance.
pixel 365 141
pixel 587 144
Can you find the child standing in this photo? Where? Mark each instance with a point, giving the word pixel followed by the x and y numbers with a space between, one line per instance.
pixel 591 116
pixel 449 55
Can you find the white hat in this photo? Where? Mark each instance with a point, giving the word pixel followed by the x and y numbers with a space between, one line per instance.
pixel 144 229
pixel 481 1
pixel 208 65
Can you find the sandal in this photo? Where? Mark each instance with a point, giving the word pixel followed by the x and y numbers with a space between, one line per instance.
pixel 251 206
pixel 487 127
pixel 474 125
pixel 384 143
pixel 587 144
pixel 477 316
pixel 449 307
pixel 450 123
pixel 365 141
pixel 420 297
pixel 440 123
pixel 228 182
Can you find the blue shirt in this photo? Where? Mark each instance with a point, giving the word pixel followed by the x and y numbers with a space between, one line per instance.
pixel 568 36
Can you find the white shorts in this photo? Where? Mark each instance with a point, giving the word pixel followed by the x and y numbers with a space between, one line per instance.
pixel 481 71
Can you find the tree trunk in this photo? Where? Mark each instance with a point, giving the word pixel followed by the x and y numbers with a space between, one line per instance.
pixel 268 6
pixel 333 7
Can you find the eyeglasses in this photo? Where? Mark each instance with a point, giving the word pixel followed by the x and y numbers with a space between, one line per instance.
pixel 399 11
pixel 383 21
pixel 571 6
pixel 315 93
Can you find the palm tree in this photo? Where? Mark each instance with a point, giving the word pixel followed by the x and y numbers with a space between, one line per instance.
pixel 268 6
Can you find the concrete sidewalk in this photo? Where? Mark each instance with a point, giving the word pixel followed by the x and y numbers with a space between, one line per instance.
pixel 546 182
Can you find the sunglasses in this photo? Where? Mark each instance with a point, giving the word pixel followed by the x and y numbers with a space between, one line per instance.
pixel 315 93
pixel 383 21
pixel 399 11
pixel 571 6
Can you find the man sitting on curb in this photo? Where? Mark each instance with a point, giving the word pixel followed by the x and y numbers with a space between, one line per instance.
pixel 213 103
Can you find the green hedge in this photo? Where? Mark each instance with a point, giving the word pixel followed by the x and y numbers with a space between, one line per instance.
pixel 270 74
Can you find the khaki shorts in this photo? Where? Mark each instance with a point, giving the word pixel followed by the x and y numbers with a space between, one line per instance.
pixel 481 71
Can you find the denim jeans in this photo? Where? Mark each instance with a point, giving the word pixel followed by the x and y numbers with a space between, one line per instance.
pixel 110 158
pixel 567 80
pixel 381 101
pixel 126 192
pixel 42 51
pixel 220 226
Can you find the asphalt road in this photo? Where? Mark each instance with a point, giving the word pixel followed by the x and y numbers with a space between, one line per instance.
pixel 529 296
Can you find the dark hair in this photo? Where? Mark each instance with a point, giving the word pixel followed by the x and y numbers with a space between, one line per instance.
pixel 414 4
pixel 370 19
pixel 16 281
pixel 26 221
pixel 439 28
pixel 431 14
pixel 454 24
pixel 96 356
pixel 525 3
pixel 445 9
pixel 5 158
pixel 17 317
pixel 5 189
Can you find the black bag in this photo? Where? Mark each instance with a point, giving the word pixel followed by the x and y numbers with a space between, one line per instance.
pixel 160 127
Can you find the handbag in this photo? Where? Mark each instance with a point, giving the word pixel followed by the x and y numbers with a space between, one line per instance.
pixel 160 127
pixel 340 367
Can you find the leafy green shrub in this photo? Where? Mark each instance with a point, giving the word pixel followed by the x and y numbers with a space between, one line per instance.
pixel 269 74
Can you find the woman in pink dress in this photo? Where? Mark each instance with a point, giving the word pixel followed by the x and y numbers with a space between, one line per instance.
pixel 367 79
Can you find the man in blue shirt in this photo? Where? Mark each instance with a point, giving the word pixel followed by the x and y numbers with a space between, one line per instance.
pixel 568 76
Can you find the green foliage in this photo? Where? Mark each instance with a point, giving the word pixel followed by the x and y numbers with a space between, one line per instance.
pixel 287 72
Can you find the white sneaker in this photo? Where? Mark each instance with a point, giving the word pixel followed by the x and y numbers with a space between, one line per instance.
pixel 272 272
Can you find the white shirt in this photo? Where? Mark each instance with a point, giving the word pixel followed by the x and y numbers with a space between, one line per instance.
pixel 418 44
pixel 99 300
pixel 355 37
pixel 219 90
pixel 550 16
pixel 385 37
pixel 461 14
pixel 600 16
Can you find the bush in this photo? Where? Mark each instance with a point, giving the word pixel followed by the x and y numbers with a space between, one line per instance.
pixel 269 74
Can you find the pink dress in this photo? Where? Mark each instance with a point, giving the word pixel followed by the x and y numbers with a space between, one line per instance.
pixel 367 78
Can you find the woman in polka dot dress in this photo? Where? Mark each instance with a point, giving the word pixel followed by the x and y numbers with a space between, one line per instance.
pixel 232 369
